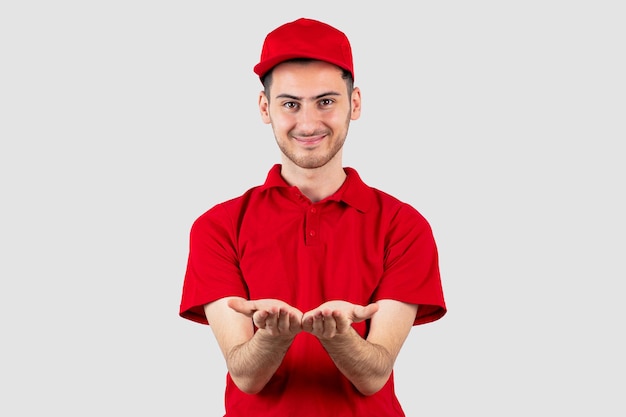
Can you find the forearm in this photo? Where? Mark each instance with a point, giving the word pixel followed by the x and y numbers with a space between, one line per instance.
pixel 367 365
pixel 253 363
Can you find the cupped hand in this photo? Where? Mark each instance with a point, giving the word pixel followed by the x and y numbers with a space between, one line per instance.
pixel 335 317
pixel 276 317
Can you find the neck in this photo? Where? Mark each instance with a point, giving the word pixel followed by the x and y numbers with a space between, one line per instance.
pixel 316 183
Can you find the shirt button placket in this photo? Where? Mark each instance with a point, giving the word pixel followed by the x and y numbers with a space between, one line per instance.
pixel 312 225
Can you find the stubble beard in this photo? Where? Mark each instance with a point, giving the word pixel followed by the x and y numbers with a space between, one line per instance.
pixel 311 159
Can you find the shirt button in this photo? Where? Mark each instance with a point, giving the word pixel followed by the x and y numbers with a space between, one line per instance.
pixel 312 233
pixel 313 210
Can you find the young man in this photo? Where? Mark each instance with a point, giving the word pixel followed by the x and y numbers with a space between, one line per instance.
pixel 312 281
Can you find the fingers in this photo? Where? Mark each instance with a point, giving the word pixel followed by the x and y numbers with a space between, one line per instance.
pixel 281 320
pixel 260 319
pixel 325 323
pixel 336 317
pixel 278 321
pixel 274 316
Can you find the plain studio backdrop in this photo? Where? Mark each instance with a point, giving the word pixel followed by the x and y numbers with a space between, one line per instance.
pixel 502 122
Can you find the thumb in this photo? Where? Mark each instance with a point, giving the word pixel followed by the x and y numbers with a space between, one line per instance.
pixel 242 306
pixel 365 312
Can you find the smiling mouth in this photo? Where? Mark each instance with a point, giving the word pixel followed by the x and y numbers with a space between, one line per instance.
pixel 310 140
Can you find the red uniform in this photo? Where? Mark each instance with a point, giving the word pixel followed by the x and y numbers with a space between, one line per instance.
pixel 359 245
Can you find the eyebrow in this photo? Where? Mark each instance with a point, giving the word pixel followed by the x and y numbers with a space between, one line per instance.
pixel 289 96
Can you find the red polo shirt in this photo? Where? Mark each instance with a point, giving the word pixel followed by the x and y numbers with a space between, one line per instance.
pixel 359 245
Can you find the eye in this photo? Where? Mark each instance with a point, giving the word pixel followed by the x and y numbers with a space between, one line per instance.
pixel 290 105
pixel 325 102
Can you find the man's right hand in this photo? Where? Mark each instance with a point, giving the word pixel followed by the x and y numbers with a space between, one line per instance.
pixel 276 317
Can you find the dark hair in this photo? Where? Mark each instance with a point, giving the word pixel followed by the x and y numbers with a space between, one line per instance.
pixel 266 80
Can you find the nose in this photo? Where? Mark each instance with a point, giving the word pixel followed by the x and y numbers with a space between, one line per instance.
pixel 308 119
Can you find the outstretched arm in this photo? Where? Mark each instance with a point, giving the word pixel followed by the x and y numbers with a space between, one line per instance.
pixel 367 363
pixel 253 357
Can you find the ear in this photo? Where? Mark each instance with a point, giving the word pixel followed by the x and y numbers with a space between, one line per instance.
pixel 264 108
pixel 355 101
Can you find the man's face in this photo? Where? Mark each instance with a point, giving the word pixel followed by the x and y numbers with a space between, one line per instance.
pixel 310 112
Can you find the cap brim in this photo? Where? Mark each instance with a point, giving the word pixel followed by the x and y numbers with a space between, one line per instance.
pixel 264 67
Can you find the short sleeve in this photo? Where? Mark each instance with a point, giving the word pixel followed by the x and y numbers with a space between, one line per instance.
pixel 212 267
pixel 411 266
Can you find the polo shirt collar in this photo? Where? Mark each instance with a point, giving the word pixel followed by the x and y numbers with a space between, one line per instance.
pixel 353 191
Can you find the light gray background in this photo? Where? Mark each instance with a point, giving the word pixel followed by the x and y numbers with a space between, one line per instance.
pixel 501 121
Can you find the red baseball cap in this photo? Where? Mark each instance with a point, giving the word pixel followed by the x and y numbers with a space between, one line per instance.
pixel 305 38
